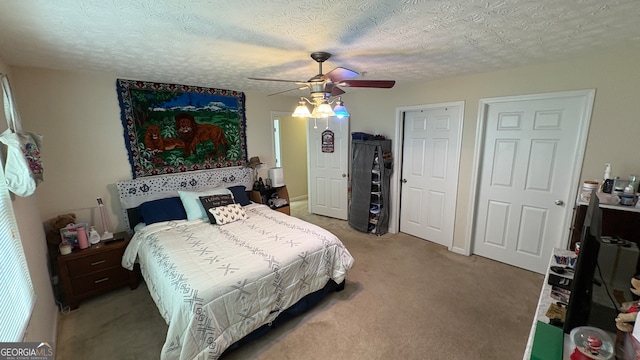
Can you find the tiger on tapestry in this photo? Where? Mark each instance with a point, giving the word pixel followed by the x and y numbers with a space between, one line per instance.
pixel 153 140
pixel 192 133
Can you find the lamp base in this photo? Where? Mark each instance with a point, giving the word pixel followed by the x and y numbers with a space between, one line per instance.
pixel 106 236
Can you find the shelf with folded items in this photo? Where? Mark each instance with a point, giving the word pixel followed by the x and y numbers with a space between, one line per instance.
pixel 370 185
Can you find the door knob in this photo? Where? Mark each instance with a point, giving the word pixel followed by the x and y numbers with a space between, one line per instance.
pixel 404 181
pixel 344 175
pixel 559 202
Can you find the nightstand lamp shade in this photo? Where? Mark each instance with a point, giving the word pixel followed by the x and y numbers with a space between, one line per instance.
pixel 276 175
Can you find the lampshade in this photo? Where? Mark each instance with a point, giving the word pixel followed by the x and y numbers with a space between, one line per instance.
pixel 323 110
pixel 340 110
pixel 301 110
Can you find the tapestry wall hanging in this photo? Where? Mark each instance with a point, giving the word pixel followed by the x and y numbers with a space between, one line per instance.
pixel 171 128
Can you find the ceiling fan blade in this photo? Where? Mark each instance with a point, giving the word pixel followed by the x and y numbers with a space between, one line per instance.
pixel 335 91
pixel 281 80
pixel 382 84
pixel 339 74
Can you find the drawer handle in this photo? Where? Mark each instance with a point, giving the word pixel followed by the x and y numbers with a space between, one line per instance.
pixel 101 280
pixel 98 262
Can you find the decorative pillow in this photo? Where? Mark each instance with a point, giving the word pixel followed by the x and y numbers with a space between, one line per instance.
pixel 193 206
pixel 240 194
pixel 213 201
pixel 228 213
pixel 162 210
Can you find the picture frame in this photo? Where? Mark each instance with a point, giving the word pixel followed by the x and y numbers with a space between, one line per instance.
pixel 69 233
pixel 171 128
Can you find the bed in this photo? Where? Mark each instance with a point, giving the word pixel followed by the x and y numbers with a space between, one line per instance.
pixel 214 284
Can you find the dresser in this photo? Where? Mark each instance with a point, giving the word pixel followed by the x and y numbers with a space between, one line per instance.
pixel 95 270
pixel 617 220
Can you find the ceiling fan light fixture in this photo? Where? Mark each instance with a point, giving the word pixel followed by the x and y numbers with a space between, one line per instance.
pixel 301 111
pixel 340 110
pixel 323 110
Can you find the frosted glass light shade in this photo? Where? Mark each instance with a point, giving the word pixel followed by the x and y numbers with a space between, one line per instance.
pixel 323 110
pixel 341 111
pixel 301 111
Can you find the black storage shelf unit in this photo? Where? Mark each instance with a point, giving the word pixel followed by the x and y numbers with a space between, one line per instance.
pixel 371 164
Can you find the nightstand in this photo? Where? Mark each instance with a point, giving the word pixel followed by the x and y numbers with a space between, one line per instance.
pixel 95 270
pixel 263 196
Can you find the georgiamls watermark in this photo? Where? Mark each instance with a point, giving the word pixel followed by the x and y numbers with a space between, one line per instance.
pixel 26 351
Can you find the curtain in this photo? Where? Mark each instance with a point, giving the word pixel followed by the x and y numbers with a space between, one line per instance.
pixel 17 296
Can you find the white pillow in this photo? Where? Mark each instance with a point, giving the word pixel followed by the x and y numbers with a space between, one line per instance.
pixel 191 201
pixel 228 213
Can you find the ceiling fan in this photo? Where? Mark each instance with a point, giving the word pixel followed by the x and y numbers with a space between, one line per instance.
pixel 323 86
pixel 326 85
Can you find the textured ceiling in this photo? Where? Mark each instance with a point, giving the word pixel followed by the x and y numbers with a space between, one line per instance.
pixel 221 43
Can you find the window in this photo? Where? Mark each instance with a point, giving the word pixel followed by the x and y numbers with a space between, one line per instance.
pixel 17 298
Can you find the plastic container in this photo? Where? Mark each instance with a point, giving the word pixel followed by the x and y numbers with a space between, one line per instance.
pixel 627 200
pixel 65 248
pixel 94 237
pixel 587 187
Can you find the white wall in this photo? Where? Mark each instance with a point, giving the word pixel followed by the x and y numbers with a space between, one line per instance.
pixel 42 326
pixel 84 155
pixel 84 150
pixel 294 155
pixel 615 125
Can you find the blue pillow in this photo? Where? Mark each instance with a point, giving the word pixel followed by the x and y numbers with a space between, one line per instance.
pixel 162 210
pixel 193 206
pixel 240 195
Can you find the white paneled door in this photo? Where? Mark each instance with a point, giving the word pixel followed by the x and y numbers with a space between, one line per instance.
pixel 430 161
pixel 530 159
pixel 328 170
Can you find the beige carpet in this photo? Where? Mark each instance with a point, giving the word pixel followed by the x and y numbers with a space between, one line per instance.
pixel 404 298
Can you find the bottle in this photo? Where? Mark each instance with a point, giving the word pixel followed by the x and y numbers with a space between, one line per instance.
pixel 628 196
pixel 633 183
pixel 607 185
pixel 94 237
pixel 83 242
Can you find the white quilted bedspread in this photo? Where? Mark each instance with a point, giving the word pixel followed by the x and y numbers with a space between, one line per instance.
pixel 214 284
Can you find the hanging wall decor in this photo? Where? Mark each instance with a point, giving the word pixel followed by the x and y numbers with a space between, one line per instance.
pixel 170 128
pixel 327 141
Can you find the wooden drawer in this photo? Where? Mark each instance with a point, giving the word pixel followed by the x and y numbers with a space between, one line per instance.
pixel 95 270
pixel 98 281
pixel 96 262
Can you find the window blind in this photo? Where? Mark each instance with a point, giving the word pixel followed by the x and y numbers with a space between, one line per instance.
pixel 16 296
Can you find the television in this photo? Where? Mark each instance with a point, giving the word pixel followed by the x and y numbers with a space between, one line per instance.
pixel 579 310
